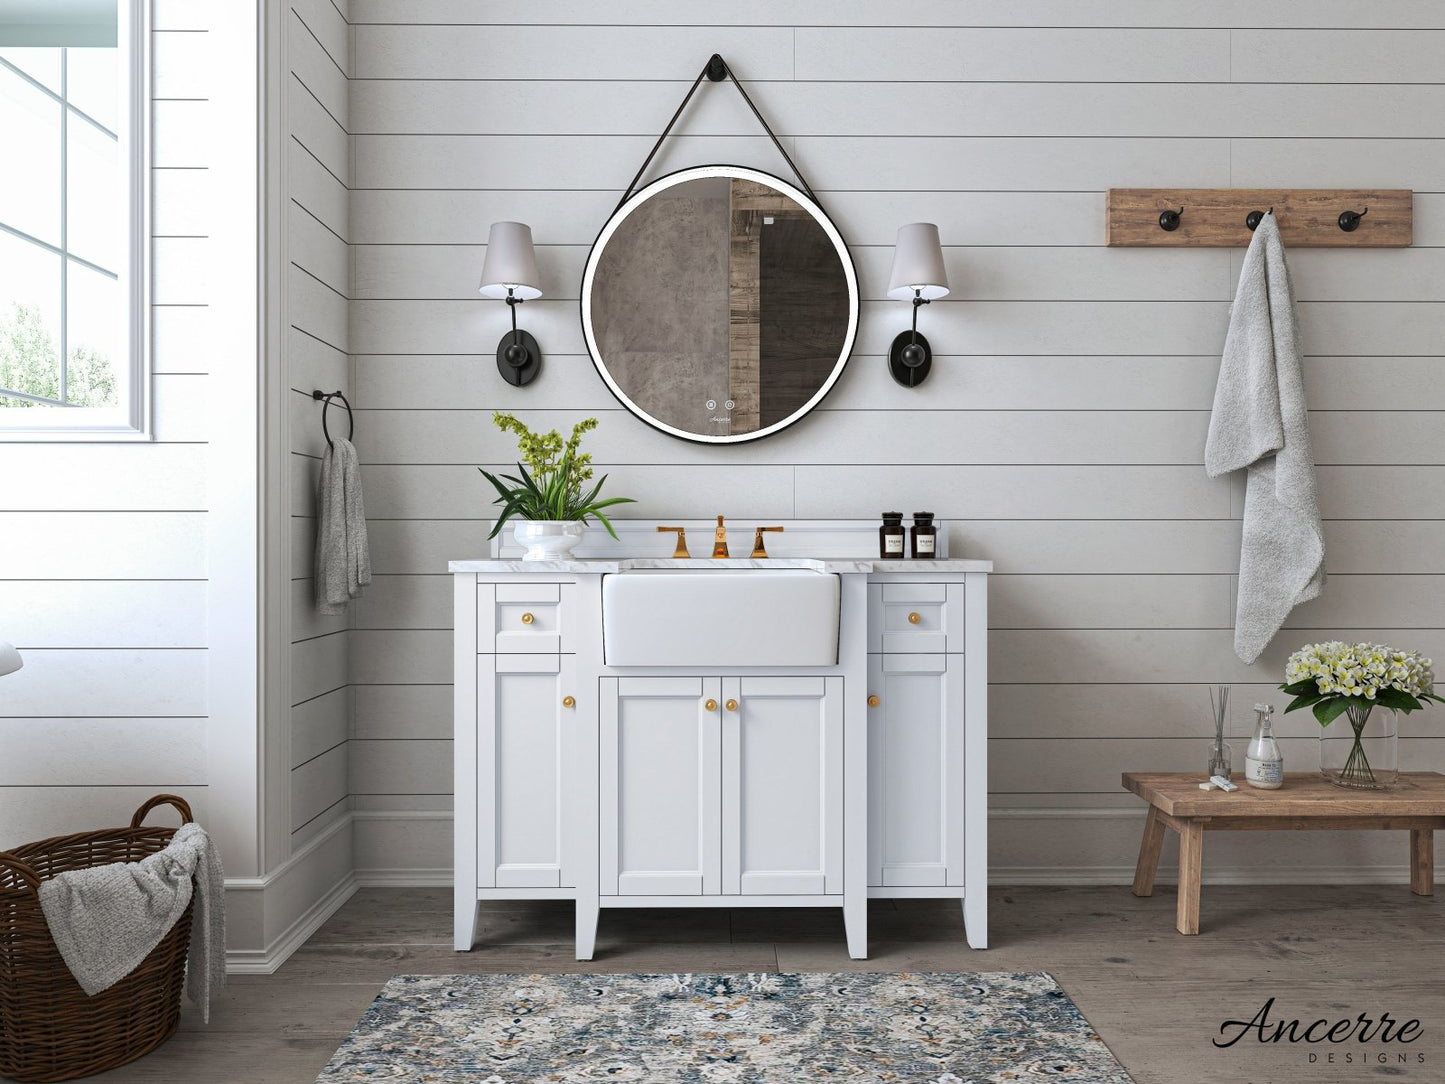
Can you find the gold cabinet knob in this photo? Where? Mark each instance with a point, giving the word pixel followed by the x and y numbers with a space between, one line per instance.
pixel 569 701
pixel 527 619
pixel 710 704
pixel 873 701
pixel 915 617
pixel 731 705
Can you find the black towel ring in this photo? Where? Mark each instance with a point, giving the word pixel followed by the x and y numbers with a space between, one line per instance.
pixel 326 397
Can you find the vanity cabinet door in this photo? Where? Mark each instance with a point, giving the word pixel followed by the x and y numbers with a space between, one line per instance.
pixel 526 734
pixel 660 768
pixel 782 785
pixel 915 785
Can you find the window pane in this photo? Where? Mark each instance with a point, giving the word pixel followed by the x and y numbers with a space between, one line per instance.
pixel 92 200
pixel 42 65
pixel 30 179
pixel 92 310
pixel 91 84
pixel 29 320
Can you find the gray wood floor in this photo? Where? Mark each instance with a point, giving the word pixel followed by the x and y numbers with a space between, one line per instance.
pixel 1156 998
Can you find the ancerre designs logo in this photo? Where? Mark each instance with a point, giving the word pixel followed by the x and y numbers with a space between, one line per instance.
pixel 1363 1040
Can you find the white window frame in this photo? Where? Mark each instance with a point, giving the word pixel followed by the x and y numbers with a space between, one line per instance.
pixel 131 418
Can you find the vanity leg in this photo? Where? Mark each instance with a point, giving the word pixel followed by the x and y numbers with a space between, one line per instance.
pixel 975 918
pixel 855 923
pixel 587 914
pixel 464 922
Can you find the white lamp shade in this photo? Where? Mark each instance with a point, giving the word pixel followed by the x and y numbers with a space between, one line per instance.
pixel 10 660
pixel 917 263
pixel 511 262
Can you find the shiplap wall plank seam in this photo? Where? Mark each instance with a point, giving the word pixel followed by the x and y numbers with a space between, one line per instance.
pixel 317 99
pixel 319 222
pixel 311 335
pixel 321 44
pixel 317 159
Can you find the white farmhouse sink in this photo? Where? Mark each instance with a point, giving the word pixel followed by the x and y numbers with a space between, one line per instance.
pixel 722 617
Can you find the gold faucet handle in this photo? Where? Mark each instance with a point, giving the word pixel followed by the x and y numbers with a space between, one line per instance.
pixel 681 550
pixel 758 549
pixel 720 539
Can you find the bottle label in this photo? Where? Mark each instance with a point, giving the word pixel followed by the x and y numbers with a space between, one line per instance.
pixel 925 543
pixel 1264 771
pixel 893 543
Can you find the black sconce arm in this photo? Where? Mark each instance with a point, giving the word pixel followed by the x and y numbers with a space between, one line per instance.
pixel 918 299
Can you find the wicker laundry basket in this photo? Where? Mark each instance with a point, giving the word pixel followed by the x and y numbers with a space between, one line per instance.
pixel 49 1028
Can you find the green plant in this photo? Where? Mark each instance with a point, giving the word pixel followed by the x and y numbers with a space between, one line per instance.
pixel 553 488
pixel 30 363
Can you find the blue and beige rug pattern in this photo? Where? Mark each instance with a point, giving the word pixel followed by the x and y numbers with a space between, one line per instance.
pixel 942 1028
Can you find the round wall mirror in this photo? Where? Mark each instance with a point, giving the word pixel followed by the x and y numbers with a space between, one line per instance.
pixel 719 304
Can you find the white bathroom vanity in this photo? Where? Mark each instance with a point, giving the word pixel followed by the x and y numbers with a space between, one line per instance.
pixel 805 730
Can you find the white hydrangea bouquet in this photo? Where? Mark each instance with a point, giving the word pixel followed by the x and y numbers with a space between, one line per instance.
pixel 1337 678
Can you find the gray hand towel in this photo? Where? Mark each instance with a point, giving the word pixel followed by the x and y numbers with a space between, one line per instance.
pixel 106 919
pixel 1260 422
pixel 343 559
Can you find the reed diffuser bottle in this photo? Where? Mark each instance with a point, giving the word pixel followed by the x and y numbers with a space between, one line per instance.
pixel 1221 756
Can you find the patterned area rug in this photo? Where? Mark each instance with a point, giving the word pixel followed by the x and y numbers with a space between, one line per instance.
pixel 699 1029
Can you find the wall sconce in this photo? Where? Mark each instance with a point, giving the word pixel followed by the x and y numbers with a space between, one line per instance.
pixel 10 660
pixel 509 273
pixel 918 275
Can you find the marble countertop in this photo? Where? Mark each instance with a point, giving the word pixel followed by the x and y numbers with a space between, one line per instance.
pixel 585 565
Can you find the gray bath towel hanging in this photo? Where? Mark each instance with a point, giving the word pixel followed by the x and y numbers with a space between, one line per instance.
pixel 1260 423
pixel 343 560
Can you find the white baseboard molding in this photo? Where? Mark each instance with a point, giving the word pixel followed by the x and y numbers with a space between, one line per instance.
pixel 404 878
pixel 266 961
pixel 1224 875
pixel 281 886
pixel 1060 876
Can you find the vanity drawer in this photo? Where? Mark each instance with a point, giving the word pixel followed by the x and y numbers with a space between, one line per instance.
pixel 916 618
pixel 524 618
pixel 914 626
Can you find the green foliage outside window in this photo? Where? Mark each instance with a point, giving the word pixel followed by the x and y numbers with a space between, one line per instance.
pixel 29 363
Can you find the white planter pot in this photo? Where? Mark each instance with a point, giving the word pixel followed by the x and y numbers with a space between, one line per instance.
pixel 548 539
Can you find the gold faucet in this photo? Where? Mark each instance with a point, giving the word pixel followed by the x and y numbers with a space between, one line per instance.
pixel 759 550
pixel 681 549
pixel 720 539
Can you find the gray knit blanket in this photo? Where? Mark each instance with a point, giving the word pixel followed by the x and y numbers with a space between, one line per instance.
pixel 106 919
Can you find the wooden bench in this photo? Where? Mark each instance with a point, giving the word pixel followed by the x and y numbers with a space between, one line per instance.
pixel 1306 802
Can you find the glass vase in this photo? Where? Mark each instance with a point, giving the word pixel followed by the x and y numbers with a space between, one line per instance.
pixel 1361 748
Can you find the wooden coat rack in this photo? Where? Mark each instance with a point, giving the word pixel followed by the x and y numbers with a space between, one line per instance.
pixel 1225 217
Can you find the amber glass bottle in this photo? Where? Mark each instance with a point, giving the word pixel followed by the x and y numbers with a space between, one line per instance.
pixel 924 535
pixel 890 537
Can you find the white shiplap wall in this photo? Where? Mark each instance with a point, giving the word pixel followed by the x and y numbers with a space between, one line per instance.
pixel 1063 428
pixel 317 275
pixel 103 547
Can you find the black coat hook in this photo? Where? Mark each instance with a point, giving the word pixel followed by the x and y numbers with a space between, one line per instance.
pixel 1169 220
pixel 1350 220
pixel 1254 218
pixel 325 397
